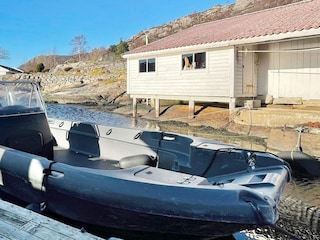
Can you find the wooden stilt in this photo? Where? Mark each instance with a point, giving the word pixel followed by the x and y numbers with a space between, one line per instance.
pixel 191 109
pixel 135 108
pixel 157 107
pixel 232 104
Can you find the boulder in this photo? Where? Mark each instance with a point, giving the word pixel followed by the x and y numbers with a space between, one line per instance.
pixel 288 101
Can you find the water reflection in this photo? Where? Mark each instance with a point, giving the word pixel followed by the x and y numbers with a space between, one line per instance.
pixel 78 113
pixel 299 206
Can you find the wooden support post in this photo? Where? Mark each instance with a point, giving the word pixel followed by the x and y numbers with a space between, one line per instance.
pixel 191 109
pixel 157 107
pixel 232 104
pixel 135 108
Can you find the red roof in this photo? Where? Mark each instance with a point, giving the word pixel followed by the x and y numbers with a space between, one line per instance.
pixel 299 16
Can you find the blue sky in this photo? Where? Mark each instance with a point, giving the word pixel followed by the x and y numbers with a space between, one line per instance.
pixel 29 28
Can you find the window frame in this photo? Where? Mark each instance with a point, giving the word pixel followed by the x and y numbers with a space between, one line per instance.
pixel 142 65
pixel 189 61
pixel 149 65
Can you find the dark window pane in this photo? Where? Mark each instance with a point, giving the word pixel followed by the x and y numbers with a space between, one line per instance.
pixel 200 60
pixel 187 60
pixel 142 65
pixel 151 65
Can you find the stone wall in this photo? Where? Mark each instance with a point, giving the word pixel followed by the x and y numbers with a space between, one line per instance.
pixel 73 73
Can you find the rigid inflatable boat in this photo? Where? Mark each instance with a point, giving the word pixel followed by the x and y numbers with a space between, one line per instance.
pixel 132 179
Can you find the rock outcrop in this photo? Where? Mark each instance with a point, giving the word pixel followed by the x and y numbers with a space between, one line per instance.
pixel 82 83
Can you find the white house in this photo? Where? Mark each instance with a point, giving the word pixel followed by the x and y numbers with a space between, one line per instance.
pixel 8 70
pixel 274 52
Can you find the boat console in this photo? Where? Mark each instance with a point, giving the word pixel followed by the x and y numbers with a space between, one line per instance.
pixel 23 120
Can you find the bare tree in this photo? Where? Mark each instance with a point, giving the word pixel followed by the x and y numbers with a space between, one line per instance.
pixel 4 54
pixel 54 57
pixel 98 53
pixel 79 45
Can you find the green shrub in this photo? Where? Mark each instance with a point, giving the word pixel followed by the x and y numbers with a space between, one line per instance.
pixel 39 67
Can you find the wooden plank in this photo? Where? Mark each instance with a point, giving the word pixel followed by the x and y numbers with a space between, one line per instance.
pixel 20 223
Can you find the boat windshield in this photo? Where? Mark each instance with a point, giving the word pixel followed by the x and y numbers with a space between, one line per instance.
pixel 20 97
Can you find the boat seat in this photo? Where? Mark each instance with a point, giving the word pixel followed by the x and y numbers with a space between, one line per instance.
pixel 136 160
pixel 84 138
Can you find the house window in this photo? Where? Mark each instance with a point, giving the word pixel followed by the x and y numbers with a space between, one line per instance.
pixel 151 65
pixel 147 65
pixel 193 61
pixel 142 65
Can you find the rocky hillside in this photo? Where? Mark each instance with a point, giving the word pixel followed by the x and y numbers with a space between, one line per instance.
pixel 51 61
pixel 212 14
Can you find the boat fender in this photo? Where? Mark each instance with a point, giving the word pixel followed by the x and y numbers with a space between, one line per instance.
pixel 301 162
pixel 136 160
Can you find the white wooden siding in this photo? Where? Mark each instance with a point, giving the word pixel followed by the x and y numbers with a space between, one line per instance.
pixel 170 80
pixel 3 71
pixel 221 71
pixel 283 69
pixel 295 73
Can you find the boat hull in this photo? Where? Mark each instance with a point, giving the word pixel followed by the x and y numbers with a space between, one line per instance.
pixel 144 198
pixel 121 202
pixel 106 217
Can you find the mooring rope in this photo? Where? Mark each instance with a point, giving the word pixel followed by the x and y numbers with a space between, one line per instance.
pixel 284 231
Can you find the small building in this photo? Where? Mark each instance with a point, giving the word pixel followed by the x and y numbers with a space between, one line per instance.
pixel 271 53
pixel 4 70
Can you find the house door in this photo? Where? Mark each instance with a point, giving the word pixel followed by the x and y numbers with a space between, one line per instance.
pixel 249 87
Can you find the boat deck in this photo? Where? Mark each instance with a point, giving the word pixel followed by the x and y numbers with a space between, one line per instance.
pixel 20 223
pixel 81 160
